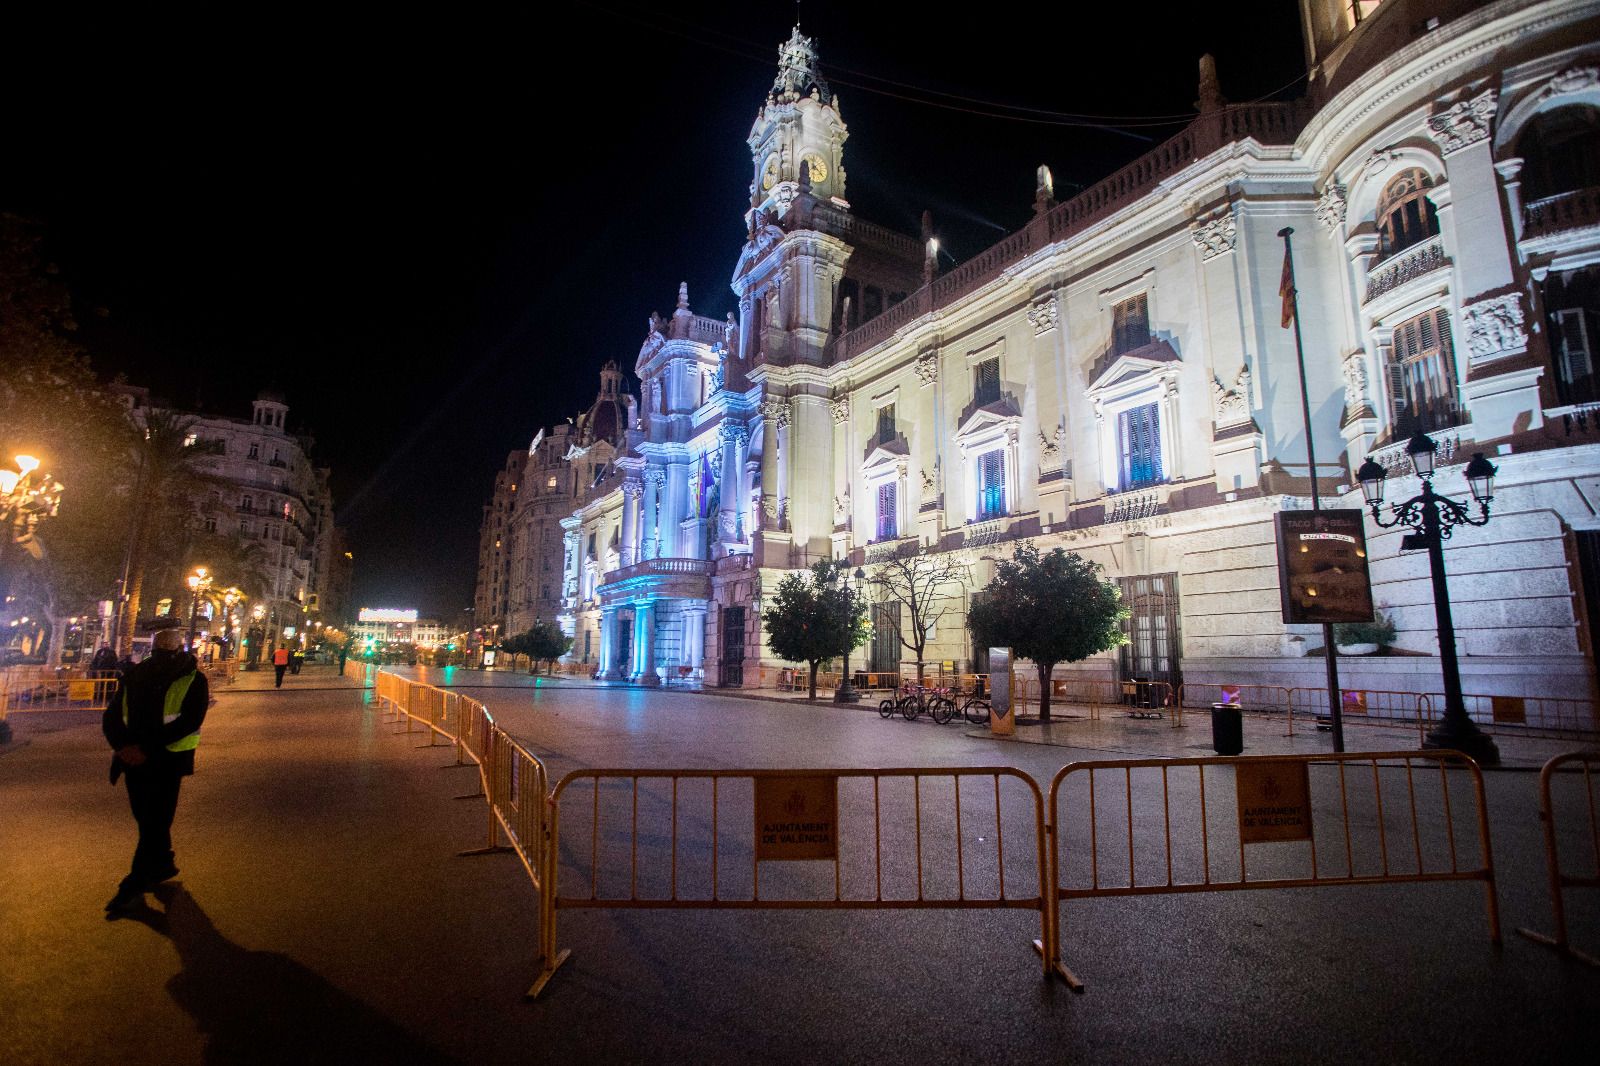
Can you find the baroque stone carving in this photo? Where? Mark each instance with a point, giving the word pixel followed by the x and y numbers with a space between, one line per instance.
pixel 1214 236
pixel 1043 314
pixel 1331 205
pixel 1571 80
pixel 1495 327
pixel 1355 378
pixel 776 412
pixel 1464 123
pixel 732 432
pixel 928 368
pixel 841 509
pixel 1053 451
pixel 632 489
pixel 1232 405
pixel 655 477
pixel 841 409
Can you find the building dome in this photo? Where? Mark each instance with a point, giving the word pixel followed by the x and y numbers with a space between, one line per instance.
pixel 607 418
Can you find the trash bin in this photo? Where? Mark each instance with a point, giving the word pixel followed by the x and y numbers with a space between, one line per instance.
pixel 1227 729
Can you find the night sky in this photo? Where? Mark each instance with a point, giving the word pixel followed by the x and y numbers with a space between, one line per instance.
pixel 429 235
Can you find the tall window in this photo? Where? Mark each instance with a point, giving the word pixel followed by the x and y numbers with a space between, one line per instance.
pixel 886 428
pixel 1561 152
pixel 1573 300
pixel 1130 324
pixel 1405 214
pixel 991 484
pixel 888 523
pixel 1139 441
pixel 1422 375
pixel 986 381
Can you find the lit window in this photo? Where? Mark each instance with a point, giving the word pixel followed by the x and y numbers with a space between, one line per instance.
pixel 190 440
pixel 1405 214
pixel 991 485
pixel 551 483
pixel 1139 438
pixel 1130 324
pixel 1422 376
pixel 888 522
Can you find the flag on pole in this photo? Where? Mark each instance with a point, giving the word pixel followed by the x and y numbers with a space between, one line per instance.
pixel 1286 289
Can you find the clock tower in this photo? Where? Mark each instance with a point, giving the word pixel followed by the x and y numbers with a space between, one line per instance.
pixel 798 126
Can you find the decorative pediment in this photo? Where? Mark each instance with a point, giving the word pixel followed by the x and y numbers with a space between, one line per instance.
pixel 1150 359
pixel 990 422
pixel 889 458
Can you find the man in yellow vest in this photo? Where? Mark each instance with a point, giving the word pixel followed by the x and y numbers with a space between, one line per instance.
pixel 153 725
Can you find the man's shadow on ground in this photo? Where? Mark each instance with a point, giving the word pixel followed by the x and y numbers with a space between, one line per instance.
pixel 262 1006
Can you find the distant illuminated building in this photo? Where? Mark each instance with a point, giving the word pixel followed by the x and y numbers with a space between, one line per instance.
pixel 377 628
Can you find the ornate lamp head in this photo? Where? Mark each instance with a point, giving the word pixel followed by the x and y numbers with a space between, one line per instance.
pixel 1371 476
pixel 1421 450
pixel 1480 475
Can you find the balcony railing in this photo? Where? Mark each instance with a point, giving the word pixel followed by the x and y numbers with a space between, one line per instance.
pixel 1563 211
pixel 661 566
pixel 1405 266
pixel 884 550
pixel 1393 458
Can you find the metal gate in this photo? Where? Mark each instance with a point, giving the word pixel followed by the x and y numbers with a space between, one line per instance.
pixel 622 654
pixel 1153 650
pixel 732 647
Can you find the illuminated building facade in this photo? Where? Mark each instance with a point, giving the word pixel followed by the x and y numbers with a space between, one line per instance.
pixel 1114 377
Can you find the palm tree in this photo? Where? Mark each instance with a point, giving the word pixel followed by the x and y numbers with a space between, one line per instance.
pixel 166 462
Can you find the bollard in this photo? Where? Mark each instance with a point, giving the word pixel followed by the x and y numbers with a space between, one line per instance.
pixel 1227 729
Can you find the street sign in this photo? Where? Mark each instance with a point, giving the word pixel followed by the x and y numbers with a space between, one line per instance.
pixel 1274 800
pixel 1322 567
pixel 797 817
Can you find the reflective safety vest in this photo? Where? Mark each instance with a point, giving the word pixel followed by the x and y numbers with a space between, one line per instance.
pixel 171 707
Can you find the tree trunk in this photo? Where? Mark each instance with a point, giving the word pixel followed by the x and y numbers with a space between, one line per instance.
pixel 921 666
pixel 814 665
pixel 1045 670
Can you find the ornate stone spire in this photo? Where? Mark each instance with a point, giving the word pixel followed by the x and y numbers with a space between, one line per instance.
pixel 797 69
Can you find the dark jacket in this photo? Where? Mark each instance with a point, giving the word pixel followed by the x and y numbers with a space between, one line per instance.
pixel 146 689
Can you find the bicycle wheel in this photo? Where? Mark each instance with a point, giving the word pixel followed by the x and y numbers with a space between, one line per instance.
pixel 886 709
pixel 910 707
pixel 977 711
pixel 942 709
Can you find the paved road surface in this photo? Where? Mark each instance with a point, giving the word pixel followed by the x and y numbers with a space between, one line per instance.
pixel 323 916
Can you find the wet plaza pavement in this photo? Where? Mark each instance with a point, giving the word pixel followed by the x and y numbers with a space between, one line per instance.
pixel 324 916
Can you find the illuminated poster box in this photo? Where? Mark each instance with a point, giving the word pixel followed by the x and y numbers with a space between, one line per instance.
pixel 1322 567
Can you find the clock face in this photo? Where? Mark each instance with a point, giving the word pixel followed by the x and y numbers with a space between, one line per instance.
pixel 819 169
pixel 769 177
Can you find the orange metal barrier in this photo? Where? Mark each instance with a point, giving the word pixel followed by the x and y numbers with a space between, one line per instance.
pixel 1585 761
pixel 1257 699
pixel 1534 715
pixel 864 839
pixel 1141 699
pixel 1160 830
pixel 53 693
pixel 513 780
pixel 1363 706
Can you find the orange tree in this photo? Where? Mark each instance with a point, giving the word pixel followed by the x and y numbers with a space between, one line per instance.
pixel 1051 608
pixel 814 618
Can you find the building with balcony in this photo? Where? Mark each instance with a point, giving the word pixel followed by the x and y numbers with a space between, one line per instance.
pixel 1116 378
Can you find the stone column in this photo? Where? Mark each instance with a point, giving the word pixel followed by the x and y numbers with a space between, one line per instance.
pixel 646 642
pixel 775 420
pixel 732 439
pixel 654 478
pixel 608 644
pixel 628 551
pixel 694 637
pixel 674 509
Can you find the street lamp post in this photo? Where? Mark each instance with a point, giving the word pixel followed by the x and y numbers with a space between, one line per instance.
pixel 846 692
pixel 1433 517
pixel 27 497
pixel 230 600
pixel 198 582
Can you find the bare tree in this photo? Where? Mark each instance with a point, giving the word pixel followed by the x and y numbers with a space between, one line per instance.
pixel 924 586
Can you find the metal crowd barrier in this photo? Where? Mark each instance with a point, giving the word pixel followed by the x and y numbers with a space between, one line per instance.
pixel 512 779
pixel 1125 847
pixel 1140 699
pixel 1363 706
pixel 1560 881
pixel 51 693
pixel 870 839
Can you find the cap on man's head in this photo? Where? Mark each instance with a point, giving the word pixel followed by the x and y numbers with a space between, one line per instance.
pixel 169 640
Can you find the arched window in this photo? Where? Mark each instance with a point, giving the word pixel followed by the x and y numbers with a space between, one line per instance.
pixel 1405 215
pixel 1560 150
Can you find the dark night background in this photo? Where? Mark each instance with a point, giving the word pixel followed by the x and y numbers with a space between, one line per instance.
pixel 430 234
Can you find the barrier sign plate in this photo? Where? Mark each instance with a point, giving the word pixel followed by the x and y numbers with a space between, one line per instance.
pixel 797 817
pixel 1274 800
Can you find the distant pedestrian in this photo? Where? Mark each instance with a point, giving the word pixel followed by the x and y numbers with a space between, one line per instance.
pixel 280 663
pixel 153 725
pixel 104 663
pixel 343 652
pixel 296 661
